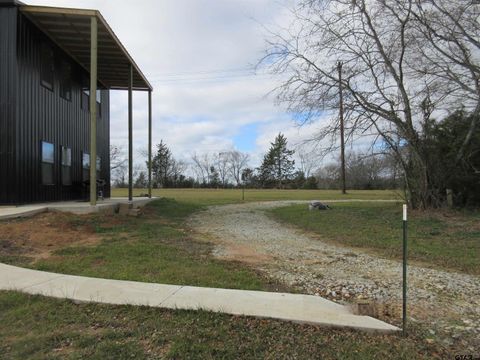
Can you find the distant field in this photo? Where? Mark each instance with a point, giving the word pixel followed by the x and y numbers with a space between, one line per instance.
pixel 221 196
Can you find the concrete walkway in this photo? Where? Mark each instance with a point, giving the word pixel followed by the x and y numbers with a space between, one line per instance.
pixel 290 307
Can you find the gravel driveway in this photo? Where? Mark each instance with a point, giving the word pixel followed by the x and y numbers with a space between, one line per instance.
pixel 448 302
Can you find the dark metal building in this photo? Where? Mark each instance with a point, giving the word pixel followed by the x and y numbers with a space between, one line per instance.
pixel 50 108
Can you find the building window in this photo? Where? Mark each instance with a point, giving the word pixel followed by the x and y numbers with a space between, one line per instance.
pixel 66 81
pixel 85 167
pixel 66 166
pixel 47 66
pixel 48 160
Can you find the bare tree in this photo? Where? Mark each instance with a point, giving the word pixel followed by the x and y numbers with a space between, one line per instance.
pixel 364 170
pixel 449 54
pixel 309 160
pixel 118 165
pixel 202 165
pixel 385 98
pixel 221 162
pixel 117 157
pixel 328 177
pixel 179 167
pixel 198 168
pixel 237 162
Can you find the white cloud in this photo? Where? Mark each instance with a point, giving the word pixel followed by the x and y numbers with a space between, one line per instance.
pixel 180 46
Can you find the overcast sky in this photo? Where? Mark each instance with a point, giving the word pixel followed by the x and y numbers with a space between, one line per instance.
pixel 197 55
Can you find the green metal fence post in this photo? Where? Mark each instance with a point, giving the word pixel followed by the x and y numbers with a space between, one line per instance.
pixel 404 297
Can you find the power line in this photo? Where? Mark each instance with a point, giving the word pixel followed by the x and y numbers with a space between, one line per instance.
pixel 186 80
pixel 209 76
pixel 203 72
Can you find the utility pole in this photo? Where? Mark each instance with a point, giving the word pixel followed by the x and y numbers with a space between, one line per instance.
pixel 342 132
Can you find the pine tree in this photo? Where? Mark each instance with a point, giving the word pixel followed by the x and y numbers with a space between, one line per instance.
pixel 277 165
pixel 161 164
pixel 141 182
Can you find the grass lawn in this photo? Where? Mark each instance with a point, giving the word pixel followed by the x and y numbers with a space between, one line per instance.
pixel 448 239
pixel 150 248
pixel 33 327
pixel 227 196
pixel 157 248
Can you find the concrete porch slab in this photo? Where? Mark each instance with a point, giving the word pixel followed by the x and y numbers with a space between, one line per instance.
pixel 12 212
pixel 76 207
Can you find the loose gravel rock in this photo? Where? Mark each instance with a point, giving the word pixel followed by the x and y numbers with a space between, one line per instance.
pixel 448 302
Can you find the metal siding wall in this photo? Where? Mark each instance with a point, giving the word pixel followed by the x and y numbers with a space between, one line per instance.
pixel 8 71
pixel 44 115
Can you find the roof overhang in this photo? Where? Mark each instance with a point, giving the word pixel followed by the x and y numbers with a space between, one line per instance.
pixel 70 30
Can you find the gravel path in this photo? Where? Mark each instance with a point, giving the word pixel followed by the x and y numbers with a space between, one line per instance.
pixel 448 302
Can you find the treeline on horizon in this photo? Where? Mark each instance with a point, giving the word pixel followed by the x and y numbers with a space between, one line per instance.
pixel 231 169
pixel 374 170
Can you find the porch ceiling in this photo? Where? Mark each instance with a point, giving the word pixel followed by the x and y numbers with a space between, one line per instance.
pixel 70 30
